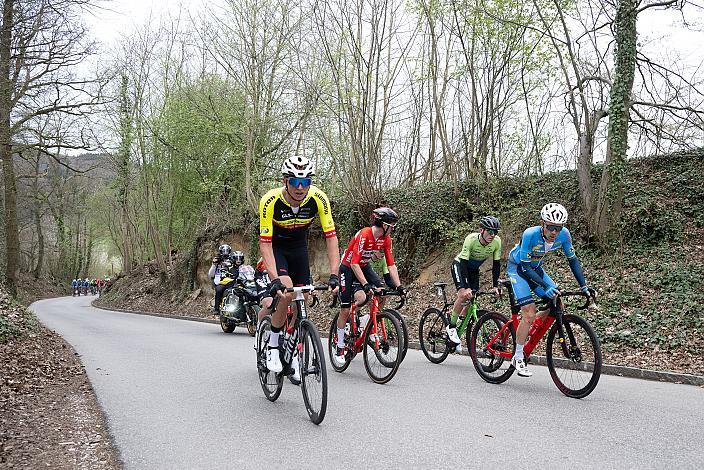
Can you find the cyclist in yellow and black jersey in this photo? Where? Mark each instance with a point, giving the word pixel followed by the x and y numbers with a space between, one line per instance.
pixel 285 214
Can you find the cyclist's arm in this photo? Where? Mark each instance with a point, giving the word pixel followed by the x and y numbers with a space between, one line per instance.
pixel 529 271
pixel 576 268
pixel 393 271
pixel 575 265
pixel 266 231
pixel 267 251
pixel 495 273
pixel 496 266
pixel 326 221
pixel 211 271
pixel 390 263
pixel 333 248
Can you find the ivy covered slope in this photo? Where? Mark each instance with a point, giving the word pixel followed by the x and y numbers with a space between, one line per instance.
pixel 649 279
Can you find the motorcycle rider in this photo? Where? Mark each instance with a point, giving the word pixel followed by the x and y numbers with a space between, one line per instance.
pixel 226 259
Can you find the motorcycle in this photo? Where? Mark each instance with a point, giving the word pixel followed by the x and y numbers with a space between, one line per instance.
pixel 240 303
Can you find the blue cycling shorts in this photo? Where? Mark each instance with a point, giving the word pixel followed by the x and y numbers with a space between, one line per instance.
pixel 523 286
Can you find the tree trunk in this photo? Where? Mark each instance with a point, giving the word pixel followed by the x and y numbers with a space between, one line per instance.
pixel 611 189
pixel 12 239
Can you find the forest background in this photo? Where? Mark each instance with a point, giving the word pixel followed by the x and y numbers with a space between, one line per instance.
pixel 448 110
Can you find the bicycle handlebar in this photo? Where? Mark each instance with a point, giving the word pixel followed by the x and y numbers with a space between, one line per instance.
pixel 299 289
pixel 590 297
pixel 384 292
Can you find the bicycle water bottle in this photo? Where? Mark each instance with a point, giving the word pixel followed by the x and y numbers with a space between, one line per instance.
pixel 290 345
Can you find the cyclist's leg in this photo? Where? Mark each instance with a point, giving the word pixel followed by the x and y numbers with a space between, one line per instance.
pixel 460 277
pixel 522 289
pixel 266 305
pixel 278 317
pixel 347 278
pixel 374 279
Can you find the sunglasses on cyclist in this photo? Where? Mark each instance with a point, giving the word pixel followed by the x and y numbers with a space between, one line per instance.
pixel 296 182
pixel 492 231
pixel 553 228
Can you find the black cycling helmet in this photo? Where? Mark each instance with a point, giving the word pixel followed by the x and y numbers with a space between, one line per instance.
pixel 490 222
pixel 224 250
pixel 384 215
pixel 237 257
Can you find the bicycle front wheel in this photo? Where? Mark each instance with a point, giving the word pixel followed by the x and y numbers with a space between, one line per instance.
pixel 432 336
pixel 314 379
pixel 489 365
pixel 332 341
pixel 383 348
pixel 252 321
pixel 404 330
pixel 271 383
pixel 575 364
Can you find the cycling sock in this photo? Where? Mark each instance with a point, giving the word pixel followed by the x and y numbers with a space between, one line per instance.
pixel 274 337
pixel 519 352
pixel 340 337
pixel 453 319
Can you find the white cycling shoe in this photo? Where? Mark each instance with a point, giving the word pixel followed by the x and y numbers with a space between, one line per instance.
pixel 521 367
pixel 295 378
pixel 273 361
pixel 452 335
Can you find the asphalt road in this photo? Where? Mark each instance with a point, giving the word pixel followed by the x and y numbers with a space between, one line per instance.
pixel 184 395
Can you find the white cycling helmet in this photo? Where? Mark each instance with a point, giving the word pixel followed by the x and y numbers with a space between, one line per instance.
pixel 554 213
pixel 298 167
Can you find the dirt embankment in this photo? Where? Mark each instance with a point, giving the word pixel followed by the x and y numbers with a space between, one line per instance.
pixel 148 291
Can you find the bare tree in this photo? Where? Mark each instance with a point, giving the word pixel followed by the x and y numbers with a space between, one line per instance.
pixel 41 41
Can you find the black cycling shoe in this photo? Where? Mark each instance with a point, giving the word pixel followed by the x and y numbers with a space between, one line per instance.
pixel 216 312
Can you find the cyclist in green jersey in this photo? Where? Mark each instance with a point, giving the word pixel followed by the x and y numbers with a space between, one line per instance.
pixel 477 248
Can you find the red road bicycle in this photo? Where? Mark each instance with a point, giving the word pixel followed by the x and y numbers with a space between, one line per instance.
pixel 381 340
pixel 572 348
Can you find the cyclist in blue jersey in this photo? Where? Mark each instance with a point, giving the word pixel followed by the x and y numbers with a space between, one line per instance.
pixel 527 275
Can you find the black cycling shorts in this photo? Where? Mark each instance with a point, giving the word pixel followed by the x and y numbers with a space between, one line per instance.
pixel 464 276
pixel 349 283
pixel 293 262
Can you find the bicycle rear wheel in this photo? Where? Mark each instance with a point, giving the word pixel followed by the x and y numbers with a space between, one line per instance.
pixel 332 339
pixel 490 367
pixel 404 330
pixel 575 365
pixel 382 354
pixel 314 379
pixel 432 336
pixel 271 383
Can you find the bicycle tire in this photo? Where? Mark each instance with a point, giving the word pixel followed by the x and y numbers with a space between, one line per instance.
pixel 312 364
pixel 271 383
pixel 371 352
pixel 587 372
pixel 404 330
pixel 493 369
pixel 331 347
pixel 252 326
pixel 430 337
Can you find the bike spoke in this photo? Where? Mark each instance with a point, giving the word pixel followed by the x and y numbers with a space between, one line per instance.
pixel 575 363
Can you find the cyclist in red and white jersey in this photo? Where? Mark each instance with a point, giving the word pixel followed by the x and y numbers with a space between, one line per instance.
pixel 355 267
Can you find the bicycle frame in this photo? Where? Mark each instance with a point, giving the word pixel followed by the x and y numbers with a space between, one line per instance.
pixel 358 344
pixel 540 326
pixel 470 313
